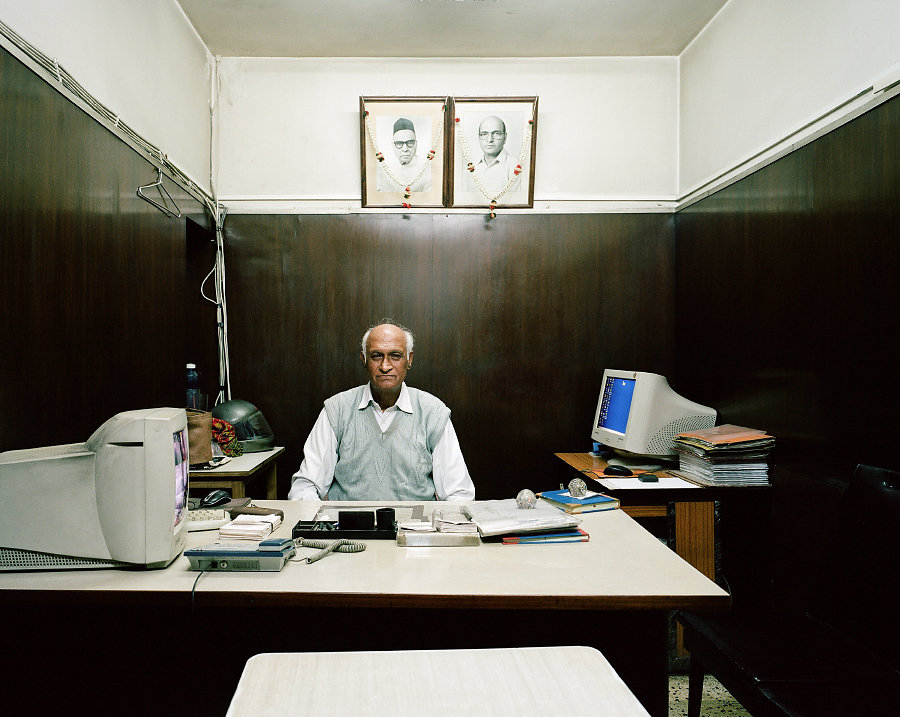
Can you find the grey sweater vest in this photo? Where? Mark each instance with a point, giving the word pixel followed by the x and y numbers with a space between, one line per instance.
pixel 394 465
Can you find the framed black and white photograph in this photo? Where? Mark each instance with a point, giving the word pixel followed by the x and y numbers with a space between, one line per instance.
pixel 403 147
pixel 493 151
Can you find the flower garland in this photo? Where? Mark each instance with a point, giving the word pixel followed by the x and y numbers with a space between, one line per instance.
pixel 407 185
pixel 493 198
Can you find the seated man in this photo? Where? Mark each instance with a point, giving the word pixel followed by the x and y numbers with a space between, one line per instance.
pixel 383 440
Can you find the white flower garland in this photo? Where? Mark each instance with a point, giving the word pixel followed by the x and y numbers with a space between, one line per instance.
pixel 407 191
pixel 493 198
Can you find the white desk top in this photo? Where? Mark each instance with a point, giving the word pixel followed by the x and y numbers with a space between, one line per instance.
pixel 621 567
pixel 241 465
pixel 514 682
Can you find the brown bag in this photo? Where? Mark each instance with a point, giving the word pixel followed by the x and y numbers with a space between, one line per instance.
pixel 199 436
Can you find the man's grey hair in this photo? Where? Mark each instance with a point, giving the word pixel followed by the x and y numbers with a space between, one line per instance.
pixel 410 339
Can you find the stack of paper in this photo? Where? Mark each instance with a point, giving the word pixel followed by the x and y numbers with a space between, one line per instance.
pixel 725 455
pixel 452 522
pixel 250 527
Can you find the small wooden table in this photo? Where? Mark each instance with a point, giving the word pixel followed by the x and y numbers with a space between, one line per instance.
pixel 513 682
pixel 239 471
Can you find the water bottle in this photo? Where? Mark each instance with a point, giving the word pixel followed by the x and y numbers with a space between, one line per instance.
pixel 193 386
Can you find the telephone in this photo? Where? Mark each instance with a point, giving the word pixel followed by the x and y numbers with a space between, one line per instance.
pixel 266 556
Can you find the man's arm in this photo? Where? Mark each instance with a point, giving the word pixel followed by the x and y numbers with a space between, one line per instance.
pixel 313 479
pixel 451 477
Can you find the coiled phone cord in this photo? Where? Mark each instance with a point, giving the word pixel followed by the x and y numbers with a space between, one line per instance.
pixel 341 546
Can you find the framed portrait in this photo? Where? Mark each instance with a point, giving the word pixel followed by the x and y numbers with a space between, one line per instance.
pixel 403 148
pixel 493 151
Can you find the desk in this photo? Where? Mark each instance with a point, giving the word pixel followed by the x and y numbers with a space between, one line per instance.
pixel 612 593
pixel 239 471
pixel 694 516
pixel 511 682
pixel 695 538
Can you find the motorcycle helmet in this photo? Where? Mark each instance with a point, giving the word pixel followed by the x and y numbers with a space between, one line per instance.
pixel 250 426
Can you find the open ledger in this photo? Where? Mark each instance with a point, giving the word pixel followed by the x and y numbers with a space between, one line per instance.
pixel 504 517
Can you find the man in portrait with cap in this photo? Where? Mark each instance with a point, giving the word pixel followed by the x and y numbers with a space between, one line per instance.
pixel 409 169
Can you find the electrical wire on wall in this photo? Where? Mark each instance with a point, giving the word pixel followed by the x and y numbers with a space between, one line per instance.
pixel 218 272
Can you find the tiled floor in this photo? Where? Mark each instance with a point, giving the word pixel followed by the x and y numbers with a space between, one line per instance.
pixel 716 699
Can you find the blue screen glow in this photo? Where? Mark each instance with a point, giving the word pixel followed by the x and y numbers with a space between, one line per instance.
pixel 616 403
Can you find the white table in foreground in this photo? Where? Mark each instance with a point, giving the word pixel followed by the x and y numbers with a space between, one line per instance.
pixel 513 682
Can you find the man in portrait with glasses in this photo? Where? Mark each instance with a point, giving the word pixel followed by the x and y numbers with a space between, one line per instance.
pixel 496 167
pixel 408 170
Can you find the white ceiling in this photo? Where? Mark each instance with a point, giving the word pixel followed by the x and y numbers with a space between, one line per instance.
pixel 448 28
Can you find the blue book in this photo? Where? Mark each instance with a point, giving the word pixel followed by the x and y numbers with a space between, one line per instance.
pixel 562 500
pixel 569 536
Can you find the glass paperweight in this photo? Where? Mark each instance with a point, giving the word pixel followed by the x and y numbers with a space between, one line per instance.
pixel 577 488
pixel 526 499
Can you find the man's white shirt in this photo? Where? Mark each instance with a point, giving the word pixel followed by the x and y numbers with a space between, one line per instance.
pixel 313 480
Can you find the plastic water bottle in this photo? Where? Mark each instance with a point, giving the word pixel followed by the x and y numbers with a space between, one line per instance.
pixel 193 386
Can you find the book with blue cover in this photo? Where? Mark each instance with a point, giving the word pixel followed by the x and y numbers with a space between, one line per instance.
pixel 589 504
pixel 569 536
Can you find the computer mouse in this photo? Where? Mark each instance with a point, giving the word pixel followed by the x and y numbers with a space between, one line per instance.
pixel 617 471
pixel 217 497
pixel 648 478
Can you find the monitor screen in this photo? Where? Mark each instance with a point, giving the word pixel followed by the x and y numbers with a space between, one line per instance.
pixel 182 465
pixel 615 403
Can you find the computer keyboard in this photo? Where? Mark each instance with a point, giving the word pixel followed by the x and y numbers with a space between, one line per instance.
pixel 207 519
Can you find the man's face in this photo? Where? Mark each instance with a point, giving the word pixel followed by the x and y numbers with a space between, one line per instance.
pixel 386 360
pixel 405 145
pixel 491 136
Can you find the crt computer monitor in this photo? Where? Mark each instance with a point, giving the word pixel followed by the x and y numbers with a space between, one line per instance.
pixel 117 500
pixel 638 415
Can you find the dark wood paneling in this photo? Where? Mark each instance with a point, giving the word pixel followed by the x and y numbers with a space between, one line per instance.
pixel 787 295
pixel 92 279
pixel 515 320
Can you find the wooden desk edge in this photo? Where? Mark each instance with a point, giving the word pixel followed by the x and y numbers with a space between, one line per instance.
pixel 248 599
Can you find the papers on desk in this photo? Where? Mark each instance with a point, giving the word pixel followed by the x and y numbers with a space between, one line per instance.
pixel 632 483
pixel 452 521
pixel 250 527
pixel 447 528
pixel 504 517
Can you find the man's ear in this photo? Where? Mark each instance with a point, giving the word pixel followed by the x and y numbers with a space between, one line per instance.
pixel 409 360
pixel 362 357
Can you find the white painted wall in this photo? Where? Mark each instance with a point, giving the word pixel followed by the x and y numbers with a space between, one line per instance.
pixel 142 60
pixel 289 128
pixel 763 69
pixel 614 134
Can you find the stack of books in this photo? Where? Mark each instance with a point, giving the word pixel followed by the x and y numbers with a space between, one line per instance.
pixel 250 527
pixel 724 455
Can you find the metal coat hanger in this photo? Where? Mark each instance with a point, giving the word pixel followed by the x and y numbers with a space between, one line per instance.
pixel 164 196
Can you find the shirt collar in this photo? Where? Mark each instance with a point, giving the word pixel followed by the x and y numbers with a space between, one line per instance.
pixel 500 158
pixel 404 403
